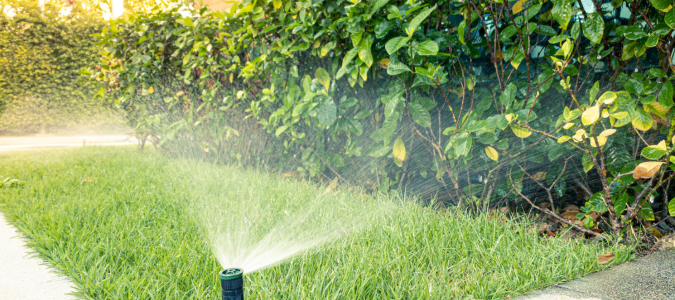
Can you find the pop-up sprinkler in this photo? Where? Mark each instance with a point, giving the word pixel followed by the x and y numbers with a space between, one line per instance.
pixel 232 282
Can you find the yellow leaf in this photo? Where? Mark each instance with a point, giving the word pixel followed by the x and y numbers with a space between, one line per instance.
pixel 647 169
pixel 539 176
pixel 568 125
pixel 608 132
pixel 231 77
pixel 607 97
pixel 399 149
pixel 657 109
pixel 661 146
pixel 520 131
pixel 605 114
pixel 277 4
pixel 518 6
pixel 580 135
pixel 620 115
pixel 508 117
pixel 492 153
pixel 602 140
pixel 332 185
pixel 667 8
pixel 181 93
pixel 384 63
pixel 590 115
pixel 563 139
pixel 151 90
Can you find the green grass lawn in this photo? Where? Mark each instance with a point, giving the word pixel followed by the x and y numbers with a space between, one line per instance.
pixel 119 222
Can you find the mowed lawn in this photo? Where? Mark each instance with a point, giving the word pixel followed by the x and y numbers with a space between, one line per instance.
pixel 118 222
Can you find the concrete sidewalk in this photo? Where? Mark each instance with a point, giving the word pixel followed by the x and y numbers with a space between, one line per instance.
pixel 24 276
pixel 651 277
pixel 37 142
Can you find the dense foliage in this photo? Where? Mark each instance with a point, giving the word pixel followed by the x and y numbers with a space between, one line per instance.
pixel 533 99
pixel 40 55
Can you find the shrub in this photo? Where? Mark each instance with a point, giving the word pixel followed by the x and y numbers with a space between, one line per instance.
pixel 40 55
pixel 497 100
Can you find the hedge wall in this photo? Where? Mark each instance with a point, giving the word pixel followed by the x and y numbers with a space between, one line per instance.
pixel 40 55
pixel 475 102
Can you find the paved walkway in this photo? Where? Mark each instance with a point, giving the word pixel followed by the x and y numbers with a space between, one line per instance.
pixel 24 276
pixel 37 142
pixel 651 277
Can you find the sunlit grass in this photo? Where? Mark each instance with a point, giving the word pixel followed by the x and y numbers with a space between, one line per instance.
pixel 117 222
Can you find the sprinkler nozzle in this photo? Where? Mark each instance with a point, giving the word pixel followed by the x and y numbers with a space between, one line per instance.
pixel 232 283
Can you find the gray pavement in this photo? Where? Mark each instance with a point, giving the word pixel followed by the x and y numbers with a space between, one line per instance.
pixel 651 277
pixel 24 276
pixel 38 142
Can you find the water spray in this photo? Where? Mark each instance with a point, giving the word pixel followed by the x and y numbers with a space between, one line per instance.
pixel 232 283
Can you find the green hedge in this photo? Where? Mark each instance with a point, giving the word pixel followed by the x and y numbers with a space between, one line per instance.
pixel 390 94
pixel 40 55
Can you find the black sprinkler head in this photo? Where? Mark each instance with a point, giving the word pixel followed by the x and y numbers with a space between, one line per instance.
pixel 232 282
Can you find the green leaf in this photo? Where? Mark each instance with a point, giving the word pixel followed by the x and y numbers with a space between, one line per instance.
pixel 419 114
pixel 327 112
pixel 426 102
pixel 322 75
pixel 382 28
pixel 379 151
pixel 397 68
pixel 363 114
pixel 507 32
pixel 354 126
pixel 349 56
pixel 670 18
pixel 393 106
pixel 463 144
pixel 642 120
pixel 621 202
pixel 599 205
pixel 652 41
pixel 562 12
pixel 647 212
pixel 508 95
pixel 427 48
pixel 594 28
pixel 661 4
pixel 461 31
pixel 474 126
pixel 587 163
pixel 396 43
pixel 671 207
pixel 349 102
pixel 280 130
pixel 378 4
pixel 653 153
pixel 417 20
pixel 594 91
pixel 364 50
pixel 634 33
pixel 665 95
